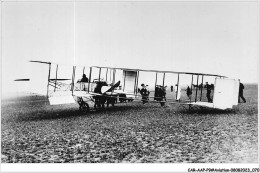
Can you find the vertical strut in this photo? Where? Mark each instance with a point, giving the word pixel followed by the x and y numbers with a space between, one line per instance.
pixel 83 72
pixel 56 77
pixel 201 88
pixel 99 74
pixel 155 85
pixel 155 79
pixel 191 86
pixel 124 79
pixel 72 81
pixel 137 79
pixel 163 78
pixel 135 85
pixel 177 86
pixel 197 88
pixel 110 75
pixel 89 78
pixel 48 79
pixel 114 76
pixel 106 74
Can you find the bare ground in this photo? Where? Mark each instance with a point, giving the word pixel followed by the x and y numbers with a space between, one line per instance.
pixel 34 132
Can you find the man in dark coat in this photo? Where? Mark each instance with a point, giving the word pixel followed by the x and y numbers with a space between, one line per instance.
pixel 208 92
pixel 145 93
pixel 84 78
pixel 171 88
pixel 241 88
pixel 188 92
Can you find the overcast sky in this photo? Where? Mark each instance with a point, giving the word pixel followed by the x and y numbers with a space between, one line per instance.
pixel 208 37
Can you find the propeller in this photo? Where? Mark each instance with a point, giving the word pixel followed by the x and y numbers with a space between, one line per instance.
pixel 41 62
pixel 22 80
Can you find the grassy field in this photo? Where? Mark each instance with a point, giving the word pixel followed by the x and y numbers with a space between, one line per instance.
pixel 34 132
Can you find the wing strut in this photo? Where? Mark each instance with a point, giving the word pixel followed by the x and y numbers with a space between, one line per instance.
pixel 106 74
pixel 124 80
pixel 73 77
pixel 163 79
pixel 114 76
pixel 99 74
pixel 56 77
pixel 197 88
pixel 191 86
pixel 155 79
pixel 177 86
pixel 135 84
pixel 48 78
pixel 89 78
pixel 137 79
pixel 201 88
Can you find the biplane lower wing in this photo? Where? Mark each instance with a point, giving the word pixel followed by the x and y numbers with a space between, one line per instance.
pixel 58 97
pixel 203 104
pixel 208 105
pixel 61 100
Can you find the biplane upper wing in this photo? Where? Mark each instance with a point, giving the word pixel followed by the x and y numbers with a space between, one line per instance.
pixel 62 87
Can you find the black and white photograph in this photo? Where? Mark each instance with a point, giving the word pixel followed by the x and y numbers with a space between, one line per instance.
pixel 118 85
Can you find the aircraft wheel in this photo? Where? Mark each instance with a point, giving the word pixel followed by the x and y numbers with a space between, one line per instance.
pixel 84 107
pixel 99 106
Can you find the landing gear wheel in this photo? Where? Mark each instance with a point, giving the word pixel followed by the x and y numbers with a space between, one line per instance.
pixel 99 106
pixel 84 107
pixel 162 103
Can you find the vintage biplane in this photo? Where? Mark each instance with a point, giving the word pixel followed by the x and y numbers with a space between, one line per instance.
pixel 108 85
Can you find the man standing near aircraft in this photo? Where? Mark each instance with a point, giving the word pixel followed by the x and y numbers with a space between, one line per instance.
pixel 145 93
pixel 84 78
pixel 188 92
pixel 241 88
pixel 171 88
pixel 208 92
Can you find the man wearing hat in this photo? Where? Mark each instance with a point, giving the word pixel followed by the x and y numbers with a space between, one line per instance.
pixel 145 93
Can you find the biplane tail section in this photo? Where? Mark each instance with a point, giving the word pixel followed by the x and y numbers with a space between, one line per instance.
pixel 225 93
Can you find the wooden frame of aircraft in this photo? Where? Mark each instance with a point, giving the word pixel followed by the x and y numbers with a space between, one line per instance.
pixel 86 93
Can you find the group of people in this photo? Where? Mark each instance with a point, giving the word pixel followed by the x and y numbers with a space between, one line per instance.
pixel 159 94
pixel 145 92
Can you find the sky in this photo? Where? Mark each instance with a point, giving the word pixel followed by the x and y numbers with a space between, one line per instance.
pixel 208 37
